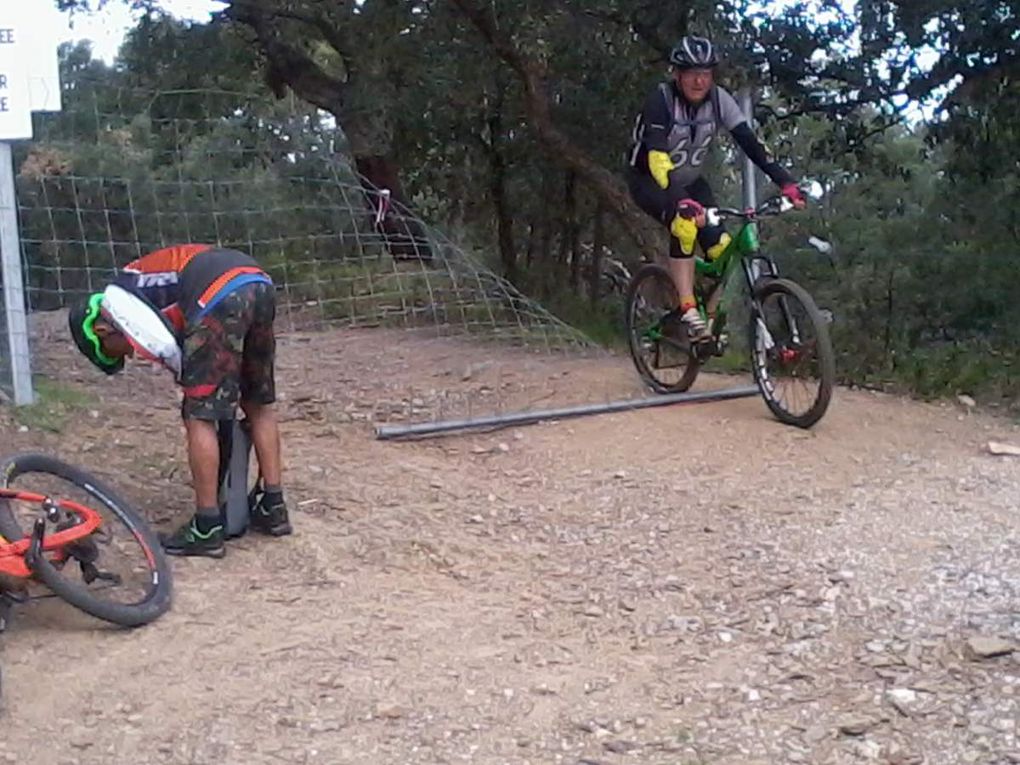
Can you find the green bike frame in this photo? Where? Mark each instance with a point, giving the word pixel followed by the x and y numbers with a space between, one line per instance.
pixel 713 275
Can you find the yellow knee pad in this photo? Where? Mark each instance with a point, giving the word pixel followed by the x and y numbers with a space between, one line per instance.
pixel 686 232
pixel 716 249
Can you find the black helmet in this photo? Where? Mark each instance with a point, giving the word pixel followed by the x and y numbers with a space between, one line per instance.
pixel 693 53
pixel 82 319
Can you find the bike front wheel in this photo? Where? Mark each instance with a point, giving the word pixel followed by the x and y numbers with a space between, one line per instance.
pixel 791 353
pixel 119 573
pixel 656 337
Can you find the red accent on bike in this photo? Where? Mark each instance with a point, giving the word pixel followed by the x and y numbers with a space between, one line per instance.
pixel 788 355
pixel 12 554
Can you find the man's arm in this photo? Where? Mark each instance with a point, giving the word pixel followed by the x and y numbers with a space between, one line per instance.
pixel 657 121
pixel 736 122
pixel 757 153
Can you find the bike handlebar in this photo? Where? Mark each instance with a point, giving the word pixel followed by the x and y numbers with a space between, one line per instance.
pixel 772 206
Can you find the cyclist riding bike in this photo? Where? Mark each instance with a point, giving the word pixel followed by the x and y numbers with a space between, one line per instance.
pixel 672 138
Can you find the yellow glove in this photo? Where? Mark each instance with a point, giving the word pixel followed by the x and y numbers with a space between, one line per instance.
pixel 659 165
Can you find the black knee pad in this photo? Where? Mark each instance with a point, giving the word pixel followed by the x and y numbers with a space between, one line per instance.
pixel 675 252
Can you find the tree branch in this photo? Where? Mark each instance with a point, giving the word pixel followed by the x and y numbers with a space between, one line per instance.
pixel 329 31
pixel 290 65
pixel 645 21
pixel 532 74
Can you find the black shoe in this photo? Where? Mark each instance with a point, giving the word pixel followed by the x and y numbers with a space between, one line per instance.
pixel 188 540
pixel 269 516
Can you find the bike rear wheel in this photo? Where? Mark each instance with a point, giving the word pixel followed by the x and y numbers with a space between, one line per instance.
pixel 655 335
pixel 791 353
pixel 123 532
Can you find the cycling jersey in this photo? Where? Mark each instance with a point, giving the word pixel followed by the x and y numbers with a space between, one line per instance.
pixel 186 281
pixel 669 123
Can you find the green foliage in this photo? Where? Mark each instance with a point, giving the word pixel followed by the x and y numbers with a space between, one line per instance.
pixel 603 323
pixel 922 218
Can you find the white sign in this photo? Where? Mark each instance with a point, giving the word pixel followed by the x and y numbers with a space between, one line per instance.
pixel 29 80
pixel 15 105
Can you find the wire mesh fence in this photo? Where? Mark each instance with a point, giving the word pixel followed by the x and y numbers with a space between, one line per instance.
pixel 362 283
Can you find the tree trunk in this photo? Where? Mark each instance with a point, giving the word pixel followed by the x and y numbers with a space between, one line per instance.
pixel 404 235
pixel 529 252
pixel 567 223
pixel 887 331
pixel 497 183
pixel 575 250
pixel 504 222
pixel 598 235
pixel 545 248
pixel 371 138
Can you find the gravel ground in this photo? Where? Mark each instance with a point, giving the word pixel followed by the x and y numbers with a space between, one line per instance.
pixel 686 585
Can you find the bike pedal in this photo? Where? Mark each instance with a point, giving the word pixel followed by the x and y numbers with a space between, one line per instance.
pixel 721 344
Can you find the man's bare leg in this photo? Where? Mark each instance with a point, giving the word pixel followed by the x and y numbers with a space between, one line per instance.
pixel 270 514
pixel 204 459
pixel 265 435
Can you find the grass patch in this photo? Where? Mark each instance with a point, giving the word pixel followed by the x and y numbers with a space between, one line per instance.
pixel 55 403
pixel 603 323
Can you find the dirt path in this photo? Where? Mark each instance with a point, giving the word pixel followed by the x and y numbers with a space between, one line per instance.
pixel 683 585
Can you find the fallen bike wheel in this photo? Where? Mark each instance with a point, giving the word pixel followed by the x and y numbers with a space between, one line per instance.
pixel 118 573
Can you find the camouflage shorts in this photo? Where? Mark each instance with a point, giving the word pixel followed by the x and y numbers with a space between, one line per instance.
pixel 228 355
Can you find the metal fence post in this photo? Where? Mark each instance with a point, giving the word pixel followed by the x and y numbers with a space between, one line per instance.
pixel 13 282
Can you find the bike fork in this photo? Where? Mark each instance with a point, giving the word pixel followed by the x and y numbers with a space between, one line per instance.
pixel 794 332
pixel 764 333
pixel 754 270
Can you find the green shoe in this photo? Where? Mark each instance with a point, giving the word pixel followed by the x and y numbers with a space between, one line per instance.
pixel 188 540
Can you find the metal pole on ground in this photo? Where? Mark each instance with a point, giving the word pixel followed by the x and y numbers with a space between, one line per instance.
pixel 13 284
pixel 388 432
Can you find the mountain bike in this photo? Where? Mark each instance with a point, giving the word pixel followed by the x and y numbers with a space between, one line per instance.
pixel 788 334
pixel 85 543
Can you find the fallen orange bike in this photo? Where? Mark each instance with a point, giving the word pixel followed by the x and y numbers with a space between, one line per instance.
pixel 63 528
